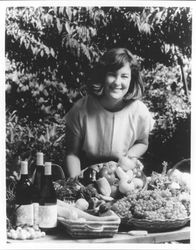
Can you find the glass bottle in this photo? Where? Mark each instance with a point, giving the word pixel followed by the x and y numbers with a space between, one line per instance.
pixel 37 185
pixel 48 201
pixel 23 198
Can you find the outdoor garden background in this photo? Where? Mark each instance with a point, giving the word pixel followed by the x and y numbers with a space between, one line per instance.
pixel 49 53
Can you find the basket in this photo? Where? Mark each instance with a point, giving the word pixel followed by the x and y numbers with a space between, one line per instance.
pixel 157 225
pixel 183 166
pixel 91 229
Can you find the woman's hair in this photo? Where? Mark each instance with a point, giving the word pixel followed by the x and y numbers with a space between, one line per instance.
pixel 111 61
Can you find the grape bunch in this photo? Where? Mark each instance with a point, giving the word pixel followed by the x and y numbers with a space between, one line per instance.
pixel 122 206
pixel 150 204
pixel 158 205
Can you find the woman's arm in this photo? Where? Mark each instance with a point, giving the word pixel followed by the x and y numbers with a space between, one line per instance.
pixel 72 164
pixel 138 149
pixel 135 152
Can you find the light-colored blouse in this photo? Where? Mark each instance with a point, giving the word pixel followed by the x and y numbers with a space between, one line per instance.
pixel 108 135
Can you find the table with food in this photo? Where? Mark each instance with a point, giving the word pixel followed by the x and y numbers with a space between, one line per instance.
pixel 108 202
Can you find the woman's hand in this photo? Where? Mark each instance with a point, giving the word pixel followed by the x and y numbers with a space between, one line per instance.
pixel 127 163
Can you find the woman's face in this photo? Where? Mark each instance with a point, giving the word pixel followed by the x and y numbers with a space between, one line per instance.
pixel 117 83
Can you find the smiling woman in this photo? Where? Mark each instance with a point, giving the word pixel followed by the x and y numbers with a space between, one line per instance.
pixel 110 122
pixel 116 87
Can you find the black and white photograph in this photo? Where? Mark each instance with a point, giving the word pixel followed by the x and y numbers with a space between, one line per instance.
pixel 97 119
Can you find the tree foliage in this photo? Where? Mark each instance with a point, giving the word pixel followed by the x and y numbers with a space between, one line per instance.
pixel 57 46
pixel 51 50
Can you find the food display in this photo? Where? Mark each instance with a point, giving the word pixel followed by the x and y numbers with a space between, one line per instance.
pixel 164 204
pixel 109 182
pixel 107 194
pixel 161 197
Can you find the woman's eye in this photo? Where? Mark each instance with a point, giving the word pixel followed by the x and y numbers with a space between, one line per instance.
pixel 124 76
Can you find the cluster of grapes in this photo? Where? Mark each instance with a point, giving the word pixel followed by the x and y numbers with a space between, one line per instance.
pixel 173 210
pixel 158 205
pixel 150 204
pixel 122 207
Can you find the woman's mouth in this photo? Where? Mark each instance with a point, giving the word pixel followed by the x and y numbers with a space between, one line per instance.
pixel 116 89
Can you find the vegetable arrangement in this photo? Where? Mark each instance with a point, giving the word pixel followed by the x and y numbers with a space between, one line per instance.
pixel 166 197
pixel 100 184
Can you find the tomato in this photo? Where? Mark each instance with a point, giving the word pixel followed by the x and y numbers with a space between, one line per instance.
pixel 108 171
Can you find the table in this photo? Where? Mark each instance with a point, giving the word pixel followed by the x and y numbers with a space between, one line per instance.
pixel 61 236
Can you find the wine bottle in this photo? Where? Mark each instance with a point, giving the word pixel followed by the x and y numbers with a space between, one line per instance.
pixel 23 198
pixel 48 201
pixel 37 185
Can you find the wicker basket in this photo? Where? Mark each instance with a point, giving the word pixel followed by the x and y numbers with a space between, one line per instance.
pixel 91 229
pixel 183 166
pixel 157 225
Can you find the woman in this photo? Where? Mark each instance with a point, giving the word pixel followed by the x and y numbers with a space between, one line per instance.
pixel 111 121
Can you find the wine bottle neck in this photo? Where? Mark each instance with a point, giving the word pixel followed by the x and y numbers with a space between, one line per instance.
pixel 48 168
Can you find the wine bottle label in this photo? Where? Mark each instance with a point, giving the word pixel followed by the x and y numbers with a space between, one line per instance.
pixel 35 214
pixel 48 216
pixel 24 214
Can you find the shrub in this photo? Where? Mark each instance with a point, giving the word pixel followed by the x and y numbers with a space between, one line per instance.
pixel 24 139
pixel 171 108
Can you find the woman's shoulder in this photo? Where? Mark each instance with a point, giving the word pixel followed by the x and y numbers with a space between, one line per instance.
pixel 80 104
pixel 138 106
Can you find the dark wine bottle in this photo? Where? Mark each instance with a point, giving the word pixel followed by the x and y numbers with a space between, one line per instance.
pixel 23 198
pixel 48 201
pixel 37 185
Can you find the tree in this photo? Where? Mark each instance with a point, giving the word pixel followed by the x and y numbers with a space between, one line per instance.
pixel 51 50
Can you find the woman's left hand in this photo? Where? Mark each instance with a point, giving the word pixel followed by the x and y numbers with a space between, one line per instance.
pixel 127 163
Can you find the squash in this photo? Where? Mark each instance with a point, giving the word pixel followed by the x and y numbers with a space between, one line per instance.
pixel 104 186
pixel 122 175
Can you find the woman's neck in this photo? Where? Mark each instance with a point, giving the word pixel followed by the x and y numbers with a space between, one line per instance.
pixel 112 105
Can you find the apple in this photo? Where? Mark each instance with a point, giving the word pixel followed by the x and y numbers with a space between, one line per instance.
pixel 125 187
pixel 109 172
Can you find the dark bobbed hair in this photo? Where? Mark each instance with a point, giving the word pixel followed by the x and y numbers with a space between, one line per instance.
pixel 111 61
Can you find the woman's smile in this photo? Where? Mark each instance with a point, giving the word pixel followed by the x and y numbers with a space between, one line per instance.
pixel 116 89
pixel 117 83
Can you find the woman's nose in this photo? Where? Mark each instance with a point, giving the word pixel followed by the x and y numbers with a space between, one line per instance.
pixel 117 80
